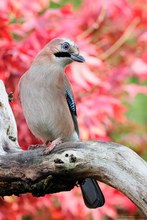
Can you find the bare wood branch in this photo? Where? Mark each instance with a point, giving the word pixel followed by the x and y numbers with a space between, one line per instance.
pixel 8 128
pixel 111 163
pixel 32 171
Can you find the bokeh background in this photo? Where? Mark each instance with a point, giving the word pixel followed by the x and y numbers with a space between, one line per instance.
pixel 110 87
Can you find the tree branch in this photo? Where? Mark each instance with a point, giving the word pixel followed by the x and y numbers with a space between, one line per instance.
pixel 8 128
pixel 32 171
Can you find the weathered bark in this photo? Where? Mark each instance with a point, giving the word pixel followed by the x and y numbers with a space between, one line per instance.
pixel 8 128
pixel 35 172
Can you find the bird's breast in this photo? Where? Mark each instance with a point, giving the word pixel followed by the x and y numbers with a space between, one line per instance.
pixel 46 111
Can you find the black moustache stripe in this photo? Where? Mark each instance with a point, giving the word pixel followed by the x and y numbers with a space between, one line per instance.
pixel 62 54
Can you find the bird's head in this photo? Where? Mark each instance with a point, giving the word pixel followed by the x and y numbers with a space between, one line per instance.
pixel 63 51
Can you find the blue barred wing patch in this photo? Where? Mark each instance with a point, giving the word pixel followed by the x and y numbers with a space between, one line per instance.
pixel 70 101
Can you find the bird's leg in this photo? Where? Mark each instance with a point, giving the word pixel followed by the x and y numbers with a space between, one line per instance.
pixel 50 145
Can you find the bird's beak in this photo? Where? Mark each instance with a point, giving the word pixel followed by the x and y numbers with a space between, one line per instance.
pixel 77 57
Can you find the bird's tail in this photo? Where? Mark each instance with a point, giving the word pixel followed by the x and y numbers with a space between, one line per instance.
pixel 92 194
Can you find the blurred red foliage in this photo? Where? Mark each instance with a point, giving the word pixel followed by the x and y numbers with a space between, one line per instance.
pixel 112 37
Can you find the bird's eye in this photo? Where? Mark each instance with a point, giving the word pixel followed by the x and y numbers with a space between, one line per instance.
pixel 66 46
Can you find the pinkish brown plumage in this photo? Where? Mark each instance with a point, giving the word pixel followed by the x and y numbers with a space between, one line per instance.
pixel 44 84
pixel 48 104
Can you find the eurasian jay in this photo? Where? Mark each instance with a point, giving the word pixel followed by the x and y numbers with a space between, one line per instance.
pixel 48 103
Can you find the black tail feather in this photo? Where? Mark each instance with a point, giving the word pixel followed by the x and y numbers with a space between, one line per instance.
pixel 92 194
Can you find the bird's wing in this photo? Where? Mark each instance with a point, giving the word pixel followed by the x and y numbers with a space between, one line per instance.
pixel 70 101
pixel 71 104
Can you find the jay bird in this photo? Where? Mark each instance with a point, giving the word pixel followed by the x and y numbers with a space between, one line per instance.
pixel 48 103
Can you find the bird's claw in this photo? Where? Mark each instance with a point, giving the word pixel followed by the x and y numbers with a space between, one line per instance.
pixel 52 145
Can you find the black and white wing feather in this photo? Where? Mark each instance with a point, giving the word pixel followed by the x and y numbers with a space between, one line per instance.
pixel 72 108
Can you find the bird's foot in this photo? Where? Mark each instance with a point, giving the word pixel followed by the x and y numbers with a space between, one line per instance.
pixel 52 145
pixel 36 146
